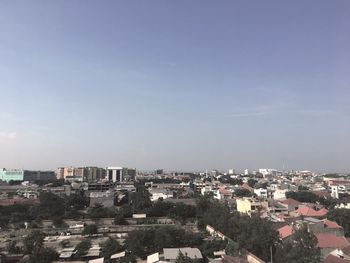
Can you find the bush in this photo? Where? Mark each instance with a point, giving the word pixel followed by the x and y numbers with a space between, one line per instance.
pixel 89 230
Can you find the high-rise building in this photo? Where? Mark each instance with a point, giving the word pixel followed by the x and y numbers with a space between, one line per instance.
pixel 120 174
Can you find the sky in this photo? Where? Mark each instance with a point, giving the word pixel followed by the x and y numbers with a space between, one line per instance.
pixel 178 85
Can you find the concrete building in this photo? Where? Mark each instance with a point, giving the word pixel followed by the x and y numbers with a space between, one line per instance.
pixel 87 174
pixel 26 175
pixel 261 192
pixel 11 175
pixel 94 174
pixel 266 172
pixel 120 174
pixel 250 205
pixel 103 198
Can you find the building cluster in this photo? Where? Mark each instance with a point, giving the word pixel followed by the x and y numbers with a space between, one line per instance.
pixel 263 192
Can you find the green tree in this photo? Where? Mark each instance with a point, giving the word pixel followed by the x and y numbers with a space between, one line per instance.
pixel 51 206
pixel 36 252
pixel 119 219
pixel 140 200
pixel 241 192
pixel 301 249
pixel 342 217
pixel 181 258
pixel 12 248
pixel 33 242
pixel 77 201
pixel 303 196
pixel 252 182
pixel 99 211
pixel 110 247
pixel 83 247
pixel 90 230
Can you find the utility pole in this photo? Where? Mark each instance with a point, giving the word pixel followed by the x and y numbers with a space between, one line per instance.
pixel 271 253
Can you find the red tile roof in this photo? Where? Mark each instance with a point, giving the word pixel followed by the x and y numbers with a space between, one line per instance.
pixel 331 224
pixel 334 259
pixel 310 212
pixel 346 250
pixel 246 186
pixel 325 240
pixel 291 201
pixel 225 191
pixel 285 231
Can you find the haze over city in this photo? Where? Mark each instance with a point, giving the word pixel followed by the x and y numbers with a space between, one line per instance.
pixel 180 85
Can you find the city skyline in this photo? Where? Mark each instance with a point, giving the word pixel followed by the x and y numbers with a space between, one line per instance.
pixel 175 85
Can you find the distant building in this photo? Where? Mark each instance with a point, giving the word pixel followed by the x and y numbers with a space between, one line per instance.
pixel 120 174
pixel 87 174
pixel 26 175
pixel 246 172
pixel 231 171
pixel 266 172
pixel 159 172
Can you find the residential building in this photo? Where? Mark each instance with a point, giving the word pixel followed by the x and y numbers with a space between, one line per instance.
pixel 249 205
pixel 261 192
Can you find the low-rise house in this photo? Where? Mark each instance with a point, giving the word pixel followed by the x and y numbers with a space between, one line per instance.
pixel 261 192
pixel 338 256
pixel 329 242
pixel 249 205
pixel 171 254
pixel 103 198
pixel 223 194
pixel 291 204
pixel 157 194
pixel 285 232
pixel 310 212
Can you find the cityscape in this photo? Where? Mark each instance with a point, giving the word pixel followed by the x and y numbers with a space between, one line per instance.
pixel 174 131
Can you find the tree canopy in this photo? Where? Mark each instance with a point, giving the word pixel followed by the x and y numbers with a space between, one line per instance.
pixel 342 217
pixel 301 249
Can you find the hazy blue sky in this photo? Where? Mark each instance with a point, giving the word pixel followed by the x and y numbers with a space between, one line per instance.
pixel 175 84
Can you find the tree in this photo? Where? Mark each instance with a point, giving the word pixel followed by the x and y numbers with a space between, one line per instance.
pixel 252 182
pixel 77 201
pixel 90 230
pixel 119 219
pixel 303 188
pixel 140 200
pixel 99 211
pixel 33 242
pixel 58 222
pixel 109 247
pixel 51 206
pixel 303 196
pixel 181 258
pixel 301 249
pixel 144 242
pixel 36 252
pixel 129 258
pixel 12 248
pixel 342 217
pixel 83 247
pixel 241 192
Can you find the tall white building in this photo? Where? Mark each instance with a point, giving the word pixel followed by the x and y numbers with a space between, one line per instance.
pixel 119 174
pixel 265 172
